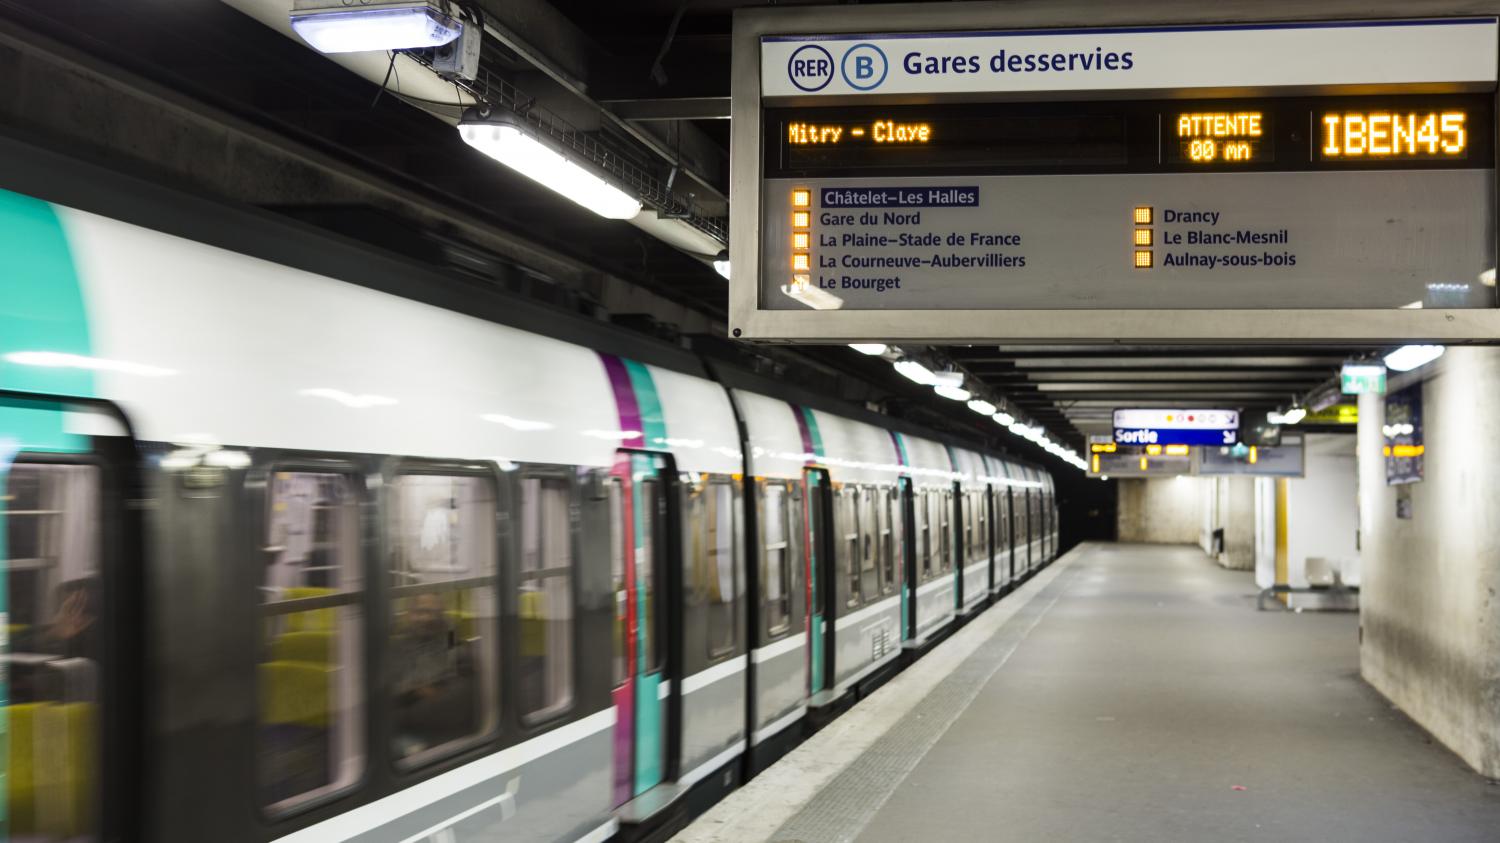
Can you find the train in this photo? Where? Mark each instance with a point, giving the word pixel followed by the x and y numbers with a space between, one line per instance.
pixel 306 541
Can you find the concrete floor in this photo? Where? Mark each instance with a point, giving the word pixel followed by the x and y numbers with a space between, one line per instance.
pixel 1151 702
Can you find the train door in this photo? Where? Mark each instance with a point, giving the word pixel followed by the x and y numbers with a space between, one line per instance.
pixel 819 577
pixel 639 504
pixel 71 656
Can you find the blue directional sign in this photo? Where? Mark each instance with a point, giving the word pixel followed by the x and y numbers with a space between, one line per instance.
pixel 1177 427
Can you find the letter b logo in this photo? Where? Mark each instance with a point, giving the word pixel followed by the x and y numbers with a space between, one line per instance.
pixel 864 67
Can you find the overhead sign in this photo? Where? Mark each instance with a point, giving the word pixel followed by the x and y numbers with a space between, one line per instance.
pixel 1334 414
pixel 922 185
pixel 1359 378
pixel 1284 460
pixel 1136 463
pixel 1176 427
pixel 1233 56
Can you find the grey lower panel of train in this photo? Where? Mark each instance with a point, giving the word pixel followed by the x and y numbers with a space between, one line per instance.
pixel 1218 240
pixel 561 794
pixel 780 684
pixel 865 638
pixel 934 605
pixel 713 719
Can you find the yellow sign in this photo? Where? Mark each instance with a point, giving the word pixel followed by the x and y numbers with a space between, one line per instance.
pixel 1220 135
pixel 1395 134
pixel 1336 414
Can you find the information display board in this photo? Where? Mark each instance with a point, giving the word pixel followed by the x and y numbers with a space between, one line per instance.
pixel 1176 427
pixel 1223 181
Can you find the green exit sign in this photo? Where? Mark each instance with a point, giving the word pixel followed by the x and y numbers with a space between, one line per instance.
pixel 1359 378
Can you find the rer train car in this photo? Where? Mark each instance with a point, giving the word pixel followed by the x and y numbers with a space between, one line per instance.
pixel 305 542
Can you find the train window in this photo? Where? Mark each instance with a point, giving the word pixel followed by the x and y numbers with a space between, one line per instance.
pixel 443 557
pixel 710 520
pixel 645 573
pixel 924 525
pixel 51 528
pixel 945 526
pixel 546 597
pixel 620 661
pixel 777 543
pixel 869 530
pixel 310 734
pixel 890 537
pixel 848 545
pixel 981 525
pixel 722 571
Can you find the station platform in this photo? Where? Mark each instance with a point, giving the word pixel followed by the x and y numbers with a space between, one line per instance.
pixel 1128 692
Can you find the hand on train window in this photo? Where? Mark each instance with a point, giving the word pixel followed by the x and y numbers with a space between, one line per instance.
pixel 74 632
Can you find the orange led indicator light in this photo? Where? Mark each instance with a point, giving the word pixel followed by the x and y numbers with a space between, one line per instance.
pixel 1153 450
pixel 799 240
pixel 1142 258
pixel 1143 237
pixel 801 262
pixel 1177 450
pixel 1143 215
pixel 800 219
pixel 801 198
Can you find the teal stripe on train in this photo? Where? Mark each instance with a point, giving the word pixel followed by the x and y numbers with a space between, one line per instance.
pixel 41 309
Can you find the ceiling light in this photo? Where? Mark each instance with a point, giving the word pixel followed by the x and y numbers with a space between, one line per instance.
pixel 721 266
pixel 915 372
pixel 520 150
pixel 948 378
pixel 334 26
pixel 873 349
pixel 1004 418
pixel 1409 357
pixel 1294 415
pixel 952 393
pixel 982 407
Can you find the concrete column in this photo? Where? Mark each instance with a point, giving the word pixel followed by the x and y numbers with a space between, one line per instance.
pixel 1429 617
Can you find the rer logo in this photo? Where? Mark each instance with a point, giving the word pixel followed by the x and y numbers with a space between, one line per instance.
pixel 810 68
pixel 864 67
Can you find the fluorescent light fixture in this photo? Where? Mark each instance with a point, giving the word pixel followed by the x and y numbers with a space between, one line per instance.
pixel 948 378
pixel 1004 418
pixel 915 372
pixel 952 393
pixel 982 407
pixel 721 264
pixel 358 402
pixel 62 360
pixel 1294 415
pixel 520 150
pixel 227 459
pixel 1409 357
pixel 803 291
pixel 331 26
pixel 873 349
pixel 524 425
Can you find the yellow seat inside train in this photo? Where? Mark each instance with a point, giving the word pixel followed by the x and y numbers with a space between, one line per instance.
pixel 315 647
pixel 295 693
pixel 312 620
pixel 51 766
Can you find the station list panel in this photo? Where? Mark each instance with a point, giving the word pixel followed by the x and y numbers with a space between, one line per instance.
pixel 1309 168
